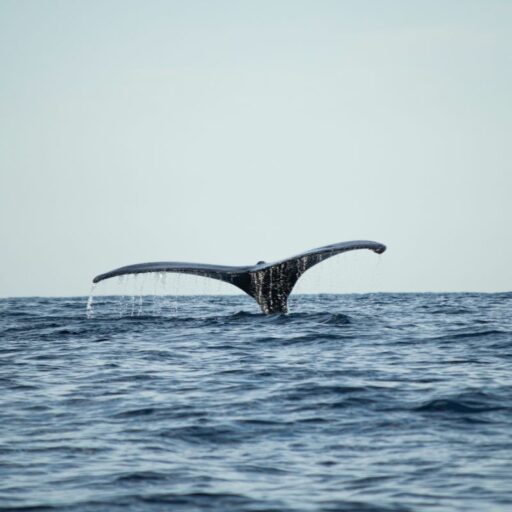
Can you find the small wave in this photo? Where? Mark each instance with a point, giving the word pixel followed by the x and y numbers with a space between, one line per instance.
pixel 242 315
pixel 144 411
pixel 198 434
pixel 32 508
pixel 450 311
pixel 141 476
pixel 318 318
pixel 490 333
pixel 466 403
pixel 210 500
pixel 308 338
pixel 330 396
pixel 360 506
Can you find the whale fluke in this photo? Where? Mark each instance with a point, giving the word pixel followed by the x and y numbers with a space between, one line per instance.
pixel 270 284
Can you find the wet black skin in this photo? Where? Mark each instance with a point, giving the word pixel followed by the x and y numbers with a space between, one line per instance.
pixel 270 284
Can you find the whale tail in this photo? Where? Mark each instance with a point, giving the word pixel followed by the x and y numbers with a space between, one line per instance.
pixel 270 284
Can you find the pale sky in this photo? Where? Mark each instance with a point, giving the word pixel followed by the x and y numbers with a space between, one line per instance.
pixel 236 131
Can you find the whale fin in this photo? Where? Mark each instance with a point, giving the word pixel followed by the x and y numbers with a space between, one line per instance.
pixel 270 284
pixel 237 276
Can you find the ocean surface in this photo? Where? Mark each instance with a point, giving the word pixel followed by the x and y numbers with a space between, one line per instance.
pixel 379 402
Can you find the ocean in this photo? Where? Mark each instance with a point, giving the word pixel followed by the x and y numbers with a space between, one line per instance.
pixel 373 402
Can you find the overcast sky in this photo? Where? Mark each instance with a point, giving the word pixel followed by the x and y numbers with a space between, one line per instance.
pixel 237 131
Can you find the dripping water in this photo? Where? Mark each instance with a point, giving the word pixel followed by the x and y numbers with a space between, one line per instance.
pixel 140 293
pixel 123 284
pixel 89 311
pixel 135 277
pixel 156 281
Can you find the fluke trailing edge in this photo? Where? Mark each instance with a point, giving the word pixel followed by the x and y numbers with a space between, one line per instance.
pixel 270 284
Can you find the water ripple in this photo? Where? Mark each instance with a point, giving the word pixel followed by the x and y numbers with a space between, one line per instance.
pixel 381 402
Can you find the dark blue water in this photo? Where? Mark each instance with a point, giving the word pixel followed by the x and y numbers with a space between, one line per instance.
pixel 352 402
